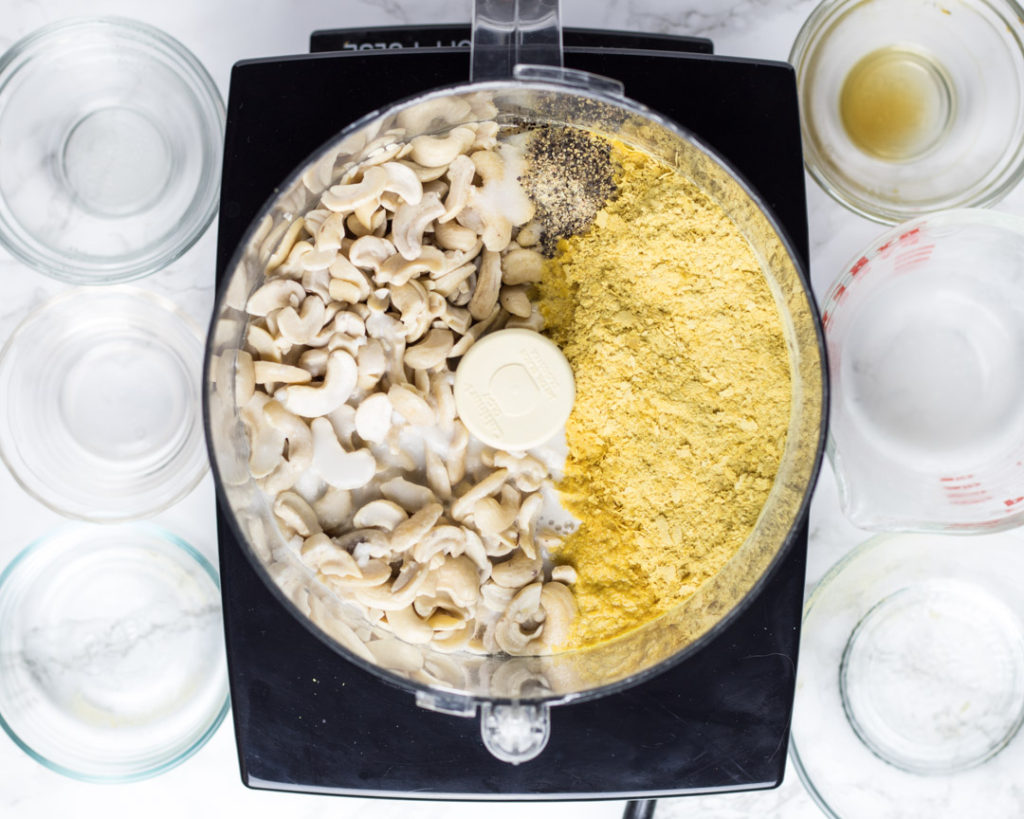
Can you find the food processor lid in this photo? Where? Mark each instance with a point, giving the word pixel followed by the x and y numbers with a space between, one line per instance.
pixel 514 389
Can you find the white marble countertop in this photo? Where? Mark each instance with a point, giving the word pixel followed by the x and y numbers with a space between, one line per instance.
pixel 220 33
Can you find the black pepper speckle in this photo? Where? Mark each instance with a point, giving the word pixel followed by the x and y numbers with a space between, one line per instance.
pixel 569 177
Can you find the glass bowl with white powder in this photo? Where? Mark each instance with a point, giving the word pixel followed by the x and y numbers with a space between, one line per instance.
pixel 112 653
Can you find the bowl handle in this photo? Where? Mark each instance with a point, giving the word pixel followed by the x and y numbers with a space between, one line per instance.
pixel 507 33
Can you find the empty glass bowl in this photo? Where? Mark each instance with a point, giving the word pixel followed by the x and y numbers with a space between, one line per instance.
pixel 910 690
pixel 99 404
pixel 909 108
pixel 112 652
pixel 110 146
pixel 925 333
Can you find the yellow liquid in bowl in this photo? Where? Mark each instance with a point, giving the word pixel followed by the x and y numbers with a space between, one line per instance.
pixel 895 103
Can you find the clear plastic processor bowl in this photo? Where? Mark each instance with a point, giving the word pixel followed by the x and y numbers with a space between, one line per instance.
pixel 110 149
pixel 112 661
pixel 100 404
pixel 909 107
pixel 925 334
pixel 513 694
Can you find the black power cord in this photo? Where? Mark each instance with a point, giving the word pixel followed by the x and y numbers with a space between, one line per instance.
pixel 640 809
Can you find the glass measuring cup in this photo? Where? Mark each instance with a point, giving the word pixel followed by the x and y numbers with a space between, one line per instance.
pixel 925 334
pixel 521 689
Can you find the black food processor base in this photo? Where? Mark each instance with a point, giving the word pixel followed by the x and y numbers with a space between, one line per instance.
pixel 308 720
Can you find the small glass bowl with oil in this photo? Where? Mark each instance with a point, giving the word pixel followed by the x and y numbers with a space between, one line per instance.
pixel 908 107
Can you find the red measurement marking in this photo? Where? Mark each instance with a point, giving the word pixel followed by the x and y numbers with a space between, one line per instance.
pixel 1012 502
pixel 958 478
pixel 859 265
pixel 910 236
pixel 952 488
pixel 840 292
pixel 912 258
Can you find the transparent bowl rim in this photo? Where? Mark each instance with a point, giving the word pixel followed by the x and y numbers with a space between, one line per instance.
pixel 197 557
pixel 806 44
pixel 129 291
pixel 799 265
pixel 191 71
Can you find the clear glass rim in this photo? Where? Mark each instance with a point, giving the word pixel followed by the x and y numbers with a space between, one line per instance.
pixel 5 458
pixel 885 212
pixel 199 559
pixel 871 543
pixel 205 200
pixel 635 108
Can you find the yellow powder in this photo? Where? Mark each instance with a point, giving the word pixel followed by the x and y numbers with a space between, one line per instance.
pixel 682 395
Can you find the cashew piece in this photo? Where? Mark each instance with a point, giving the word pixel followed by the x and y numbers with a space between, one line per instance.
pixel 333 509
pixel 521 622
pixel 491 517
pixel 431 351
pixel 408 626
pixel 453 236
pixel 564 573
pixel 345 198
pixel 448 283
pixel 402 180
pixel 514 300
pixel 266 442
pixel 463 507
pixel 245 377
pixel 274 295
pixel 559 607
pixel 348 283
pixel 293 511
pixel 485 297
pixel 431 151
pixel 410 531
pixel 517 571
pixel 289 234
pixel 410 221
pixel 323 554
pixel 300 448
pixel 373 417
pixel 408 403
pixel 460 175
pixel 399 270
pixel 273 372
pixel 341 469
pixel 458 578
pixel 379 514
pixel 410 496
pixel 314 401
pixel 300 327
pixel 370 252
pixel 428 115
pixel 522 266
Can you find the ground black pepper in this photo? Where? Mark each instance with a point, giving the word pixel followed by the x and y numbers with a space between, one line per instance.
pixel 569 178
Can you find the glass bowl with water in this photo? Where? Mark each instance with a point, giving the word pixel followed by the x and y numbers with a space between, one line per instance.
pixel 100 404
pixel 908 108
pixel 925 333
pixel 110 143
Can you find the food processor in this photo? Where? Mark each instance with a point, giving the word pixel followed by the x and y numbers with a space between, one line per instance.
pixel 311 711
